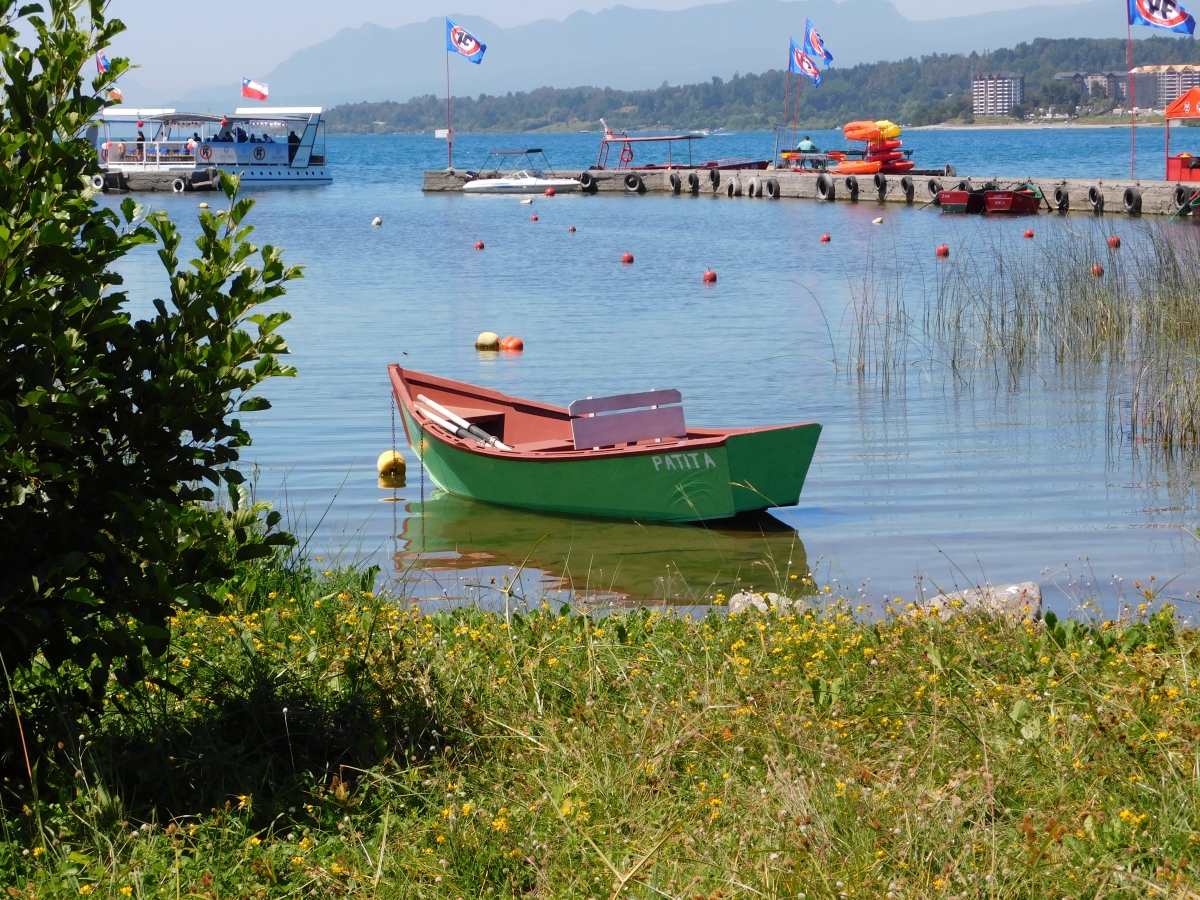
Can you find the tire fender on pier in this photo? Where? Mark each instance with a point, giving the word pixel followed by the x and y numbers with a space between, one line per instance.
pixel 1095 200
pixel 935 188
pixel 693 182
pixel 881 184
pixel 753 188
pixel 587 181
pixel 851 188
pixel 907 188
pixel 634 183
pixel 825 188
pixel 676 182
pixel 98 183
pixel 1132 201
pixel 1182 195
pixel 714 178
pixel 963 185
pixel 1062 199
pixel 179 185
pixel 773 188
pixel 735 187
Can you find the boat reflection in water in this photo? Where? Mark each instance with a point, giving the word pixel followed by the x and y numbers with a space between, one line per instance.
pixel 463 550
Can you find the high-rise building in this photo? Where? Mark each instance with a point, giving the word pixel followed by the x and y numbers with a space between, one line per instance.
pixel 996 93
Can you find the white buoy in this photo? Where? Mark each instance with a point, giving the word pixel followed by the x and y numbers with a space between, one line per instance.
pixel 528 201
pixel 377 221
pixel 487 340
pixel 204 206
pixel 878 221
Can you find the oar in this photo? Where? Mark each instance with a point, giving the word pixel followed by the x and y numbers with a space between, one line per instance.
pixel 453 429
pixel 476 432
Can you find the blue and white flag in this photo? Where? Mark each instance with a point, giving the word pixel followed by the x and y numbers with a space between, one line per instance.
pixel 1166 14
pixel 462 41
pixel 814 44
pixel 801 63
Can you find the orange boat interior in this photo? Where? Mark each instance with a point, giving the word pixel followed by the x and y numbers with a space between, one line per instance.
pixel 526 426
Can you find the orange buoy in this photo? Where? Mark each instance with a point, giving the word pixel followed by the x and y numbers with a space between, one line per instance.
pixel 479 245
pixel 825 239
pixel 943 252
pixel 512 343
pixel 1097 271
pixel 533 218
pixel 710 277
pixel 1114 243
pixel 549 192
pixel 627 258
pixel 1028 232
pixel 571 229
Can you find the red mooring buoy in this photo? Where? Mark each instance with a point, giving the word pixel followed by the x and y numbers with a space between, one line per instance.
pixel 825 239
pixel 479 245
pixel 710 277
pixel 1114 243
pixel 533 218
pixel 627 258
pixel 1097 271
pixel 514 344
pixel 549 192
pixel 1028 232
pixel 943 252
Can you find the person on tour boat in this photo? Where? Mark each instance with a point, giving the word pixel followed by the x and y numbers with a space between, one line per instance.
pixel 141 145
pixel 293 145
pixel 241 135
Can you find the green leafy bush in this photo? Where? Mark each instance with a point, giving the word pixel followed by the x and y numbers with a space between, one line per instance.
pixel 115 435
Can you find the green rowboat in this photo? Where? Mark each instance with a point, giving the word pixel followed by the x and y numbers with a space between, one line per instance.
pixel 626 457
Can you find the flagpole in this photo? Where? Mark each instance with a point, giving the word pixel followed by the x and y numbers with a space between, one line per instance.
pixel 449 138
pixel 796 117
pixel 1132 100
pixel 787 83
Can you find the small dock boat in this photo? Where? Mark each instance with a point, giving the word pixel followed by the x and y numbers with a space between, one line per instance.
pixel 629 457
pixel 531 179
pixel 1024 200
pixel 962 200
pixel 162 149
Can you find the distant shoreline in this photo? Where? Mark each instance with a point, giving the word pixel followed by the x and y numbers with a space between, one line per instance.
pixel 1028 126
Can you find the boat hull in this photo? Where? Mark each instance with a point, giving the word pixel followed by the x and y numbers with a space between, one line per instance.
pixel 505 186
pixel 712 475
pixel 1013 203
pixel 968 202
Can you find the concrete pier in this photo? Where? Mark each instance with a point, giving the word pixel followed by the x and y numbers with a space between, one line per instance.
pixel 1112 197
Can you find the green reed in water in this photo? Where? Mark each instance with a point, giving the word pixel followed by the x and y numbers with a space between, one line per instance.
pixel 1002 306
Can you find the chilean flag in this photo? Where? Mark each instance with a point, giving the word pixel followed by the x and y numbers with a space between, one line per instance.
pixel 255 90
pixel 801 63
pixel 459 40
pixel 1166 14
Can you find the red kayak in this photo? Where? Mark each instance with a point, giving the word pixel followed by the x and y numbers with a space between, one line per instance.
pixel 897 167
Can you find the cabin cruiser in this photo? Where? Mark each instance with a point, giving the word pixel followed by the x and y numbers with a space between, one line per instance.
pixel 531 179
pixel 166 149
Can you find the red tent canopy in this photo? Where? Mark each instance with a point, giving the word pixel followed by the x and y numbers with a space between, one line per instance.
pixel 1186 107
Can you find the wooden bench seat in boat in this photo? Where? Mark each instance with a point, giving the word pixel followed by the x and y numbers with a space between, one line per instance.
pixel 627 419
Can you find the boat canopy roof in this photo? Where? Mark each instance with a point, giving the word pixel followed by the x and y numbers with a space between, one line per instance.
pixel 516 152
pixel 276 112
pixel 621 137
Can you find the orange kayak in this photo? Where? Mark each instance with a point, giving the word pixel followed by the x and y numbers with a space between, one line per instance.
pixel 899 167
pixel 861 131
pixel 858 167
pixel 885 156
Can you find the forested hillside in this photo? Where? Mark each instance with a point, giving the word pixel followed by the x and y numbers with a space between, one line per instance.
pixel 912 91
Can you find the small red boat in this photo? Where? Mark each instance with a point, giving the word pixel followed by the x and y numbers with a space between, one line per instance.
pixel 969 202
pixel 1023 201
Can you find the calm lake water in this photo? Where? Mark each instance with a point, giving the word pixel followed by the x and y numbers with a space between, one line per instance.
pixel 950 483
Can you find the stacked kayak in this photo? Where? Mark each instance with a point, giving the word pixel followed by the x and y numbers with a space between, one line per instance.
pixel 883 153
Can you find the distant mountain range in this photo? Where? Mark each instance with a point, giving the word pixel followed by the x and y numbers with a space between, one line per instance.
pixel 632 49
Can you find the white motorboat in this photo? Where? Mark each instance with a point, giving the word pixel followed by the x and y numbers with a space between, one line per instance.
pixel 263 145
pixel 531 179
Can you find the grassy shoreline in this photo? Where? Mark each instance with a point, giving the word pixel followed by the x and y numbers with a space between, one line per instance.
pixel 327 742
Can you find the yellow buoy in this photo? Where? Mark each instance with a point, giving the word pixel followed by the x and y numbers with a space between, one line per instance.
pixel 390 463
pixel 488 340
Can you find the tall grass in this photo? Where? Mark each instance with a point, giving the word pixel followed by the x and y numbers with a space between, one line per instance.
pixel 367 750
pixel 1002 307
